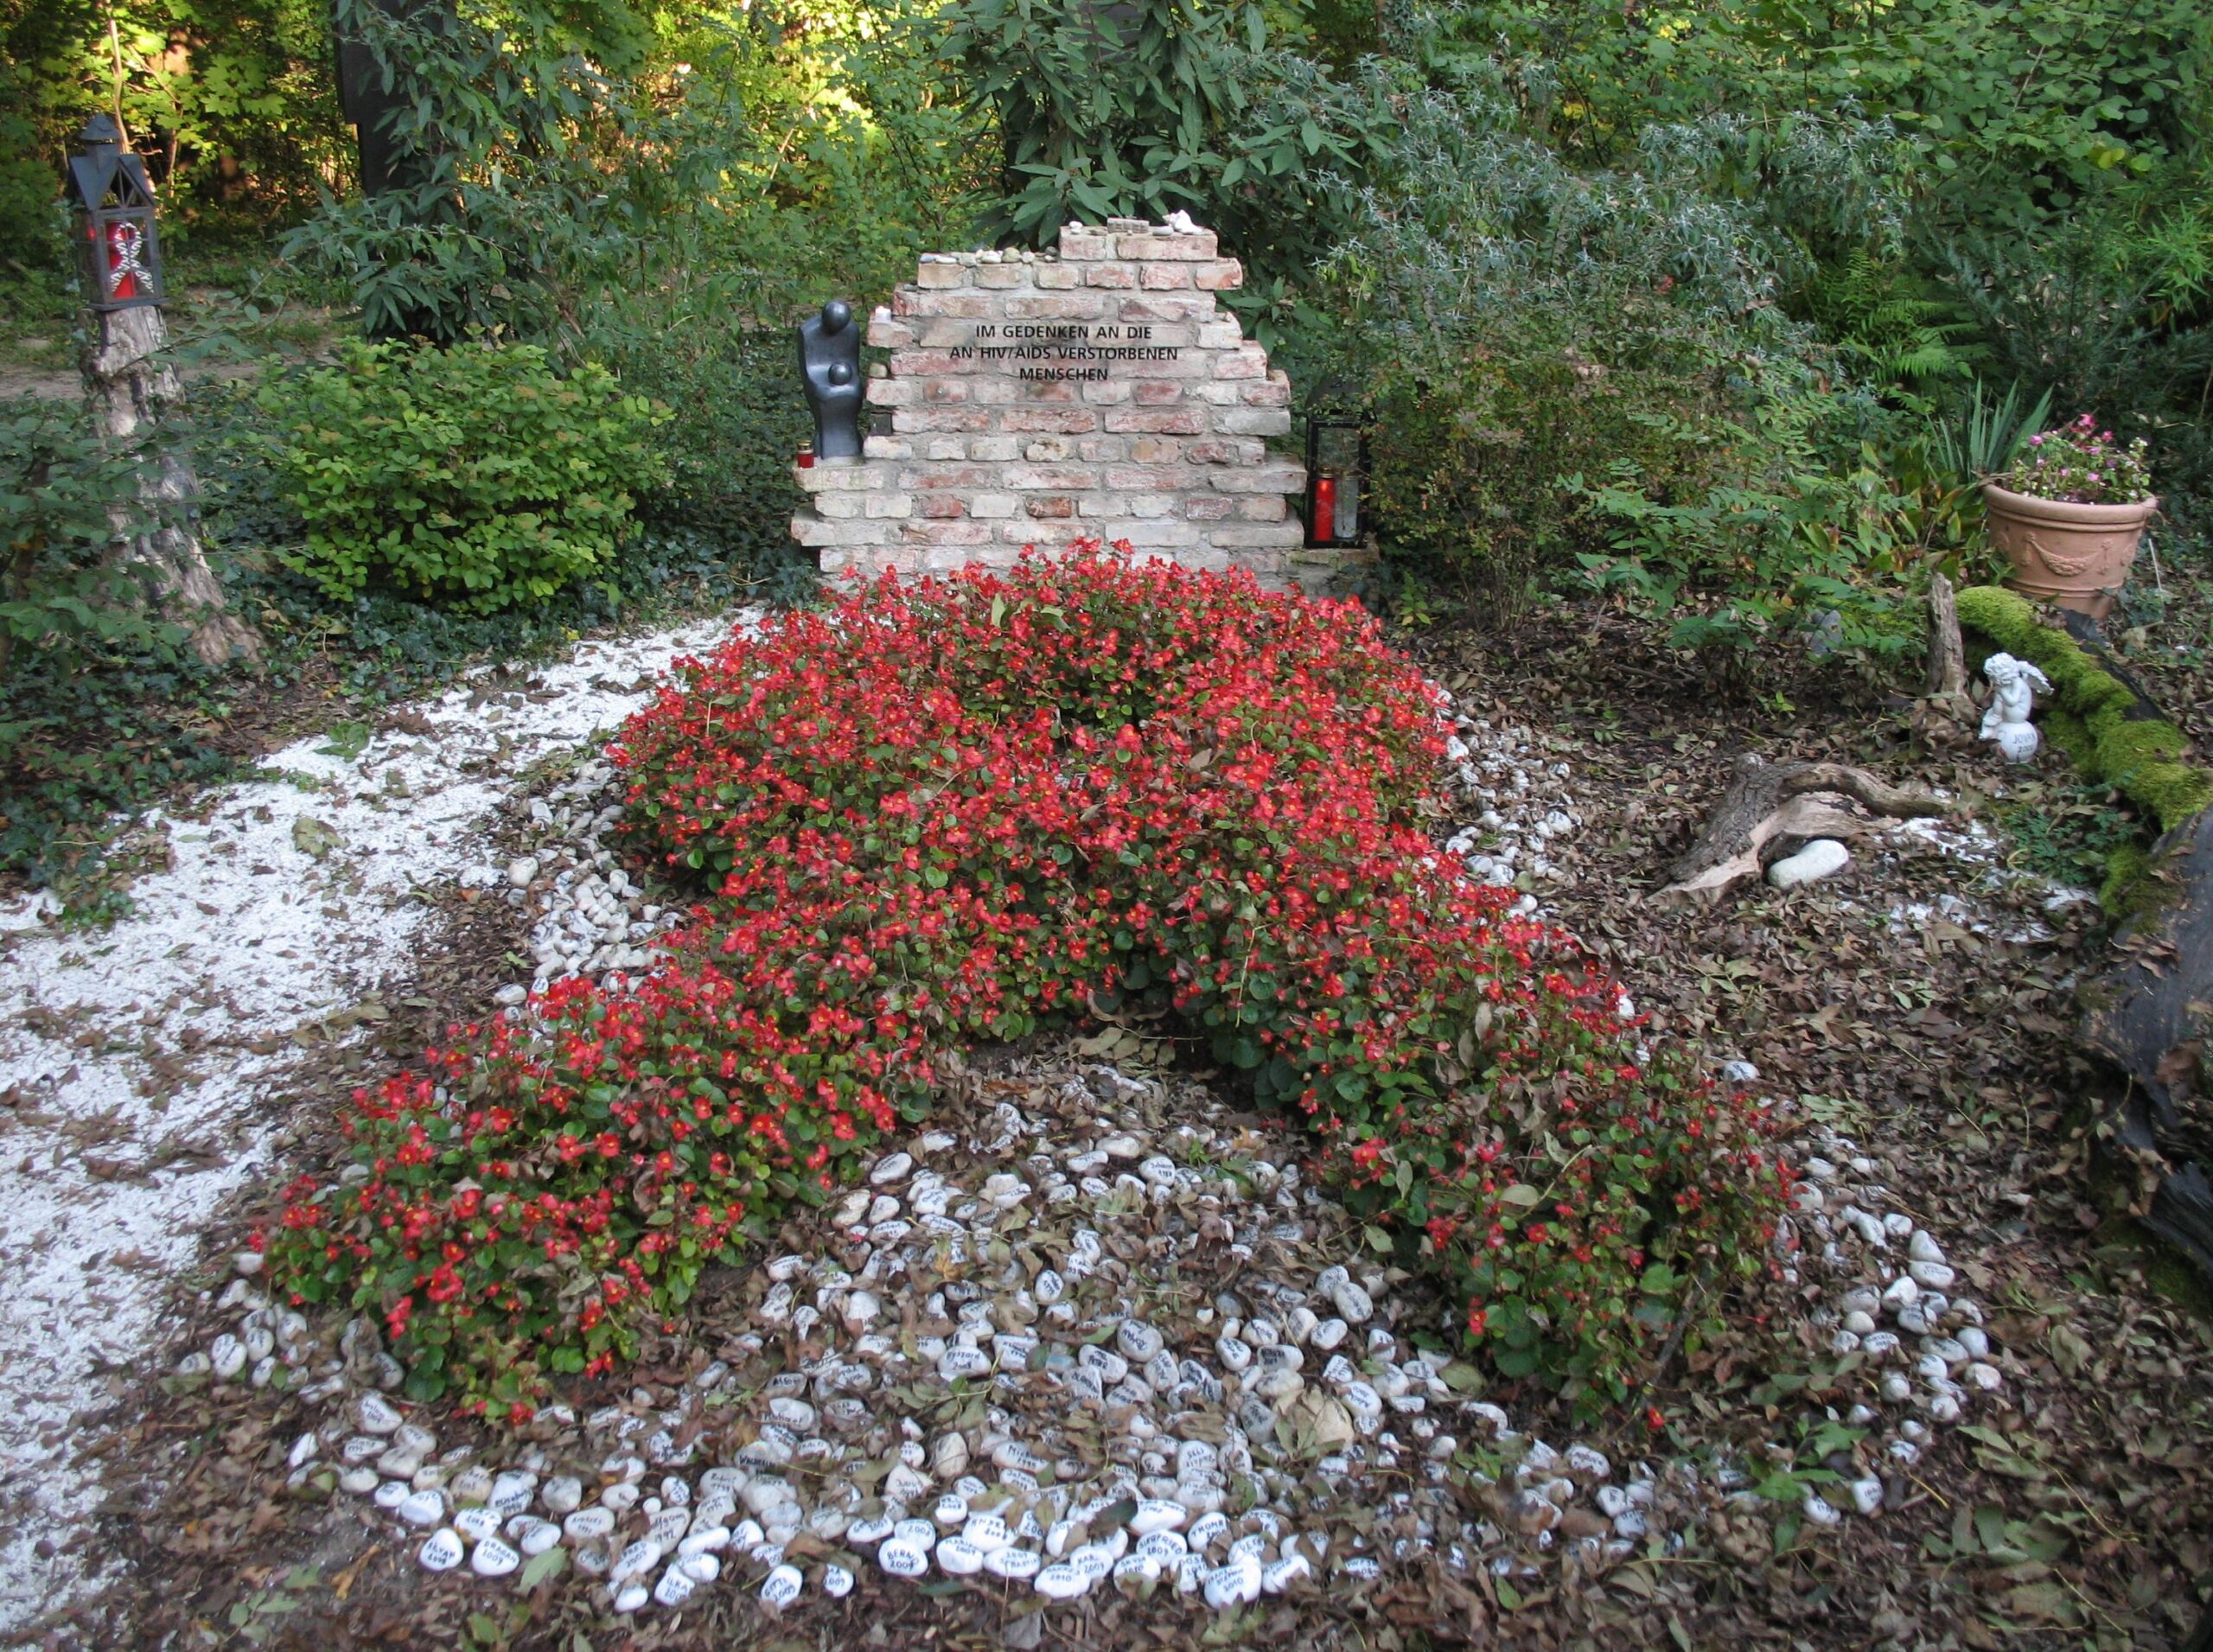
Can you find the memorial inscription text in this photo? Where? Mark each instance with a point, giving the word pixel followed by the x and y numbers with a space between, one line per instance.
pixel 1064 349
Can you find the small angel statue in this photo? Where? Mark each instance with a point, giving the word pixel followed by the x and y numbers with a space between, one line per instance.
pixel 2014 684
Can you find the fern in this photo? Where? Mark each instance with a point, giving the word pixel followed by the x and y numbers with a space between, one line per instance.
pixel 1882 317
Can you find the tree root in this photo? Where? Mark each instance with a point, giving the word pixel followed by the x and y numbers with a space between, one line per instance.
pixel 1771 803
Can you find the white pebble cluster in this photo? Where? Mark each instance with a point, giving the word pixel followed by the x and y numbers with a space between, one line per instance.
pixel 1526 804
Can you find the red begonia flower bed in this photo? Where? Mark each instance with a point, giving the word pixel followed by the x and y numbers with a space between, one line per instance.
pixel 949 811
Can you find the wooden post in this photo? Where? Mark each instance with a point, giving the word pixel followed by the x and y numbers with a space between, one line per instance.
pixel 128 385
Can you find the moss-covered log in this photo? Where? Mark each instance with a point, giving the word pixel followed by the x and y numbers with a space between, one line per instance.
pixel 2104 724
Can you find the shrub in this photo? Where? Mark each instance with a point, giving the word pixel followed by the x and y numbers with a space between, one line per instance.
pixel 954 811
pixel 729 458
pixel 476 474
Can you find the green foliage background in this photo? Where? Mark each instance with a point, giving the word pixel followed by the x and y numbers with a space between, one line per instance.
pixel 1717 309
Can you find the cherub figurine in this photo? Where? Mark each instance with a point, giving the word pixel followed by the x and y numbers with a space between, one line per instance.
pixel 2014 684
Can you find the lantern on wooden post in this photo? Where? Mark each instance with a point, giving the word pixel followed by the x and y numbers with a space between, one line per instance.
pixel 1336 479
pixel 118 251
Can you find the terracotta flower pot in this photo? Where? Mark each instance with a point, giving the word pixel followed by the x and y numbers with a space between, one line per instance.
pixel 2077 556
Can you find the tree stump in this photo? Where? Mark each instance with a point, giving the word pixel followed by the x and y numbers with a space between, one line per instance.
pixel 1773 803
pixel 129 386
pixel 1945 688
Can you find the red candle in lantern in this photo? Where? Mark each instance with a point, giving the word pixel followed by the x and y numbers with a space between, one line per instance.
pixel 1325 510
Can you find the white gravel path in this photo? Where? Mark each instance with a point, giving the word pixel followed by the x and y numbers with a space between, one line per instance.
pixel 138 1064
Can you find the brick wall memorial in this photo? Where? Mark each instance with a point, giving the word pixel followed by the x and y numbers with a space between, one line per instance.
pixel 1038 398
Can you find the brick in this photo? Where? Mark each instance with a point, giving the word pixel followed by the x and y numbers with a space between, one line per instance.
pixel 1048 421
pixel 945 447
pixel 1267 568
pixel 1266 479
pixel 992 506
pixel 961 533
pixel 886 447
pixel 1058 277
pixel 1020 531
pixel 1253 421
pixel 1246 361
pixel 1059 307
pixel 1263 507
pixel 1104 507
pixel 1283 534
pixel 813 530
pixel 1131 479
pixel 1047 450
pixel 928 364
pixel 1157 421
pixel 1168 307
pixel 1057 391
pixel 974 305
pixel 1052 506
pixel 890 505
pixel 940 506
pixel 1157 393
pixel 840 508
pixel 994 392
pixel 1183 364
pixel 1103 449
pixel 999 276
pixel 1106 392
pixel 838 475
pixel 1268 394
pixel 1206 507
pixel 1080 241
pixel 1223 334
pixel 1223 451
pixel 1175 335
pixel 889 335
pixel 937 277
pixel 1156 507
pixel 893 393
pixel 937 391
pixel 1123 276
pixel 1204 558
pixel 1055 478
pixel 946 475
pixel 906 421
pixel 944 333
pixel 1218 275
pixel 1153 243
pixel 997 450
pixel 1164 278
pixel 1156 450
pixel 1162 535
pixel 1216 395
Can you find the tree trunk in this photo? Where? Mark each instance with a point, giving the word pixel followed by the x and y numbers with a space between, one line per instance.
pixel 2149 1020
pixel 129 386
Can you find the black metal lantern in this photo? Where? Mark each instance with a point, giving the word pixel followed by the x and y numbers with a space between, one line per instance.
pixel 1336 479
pixel 117 250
